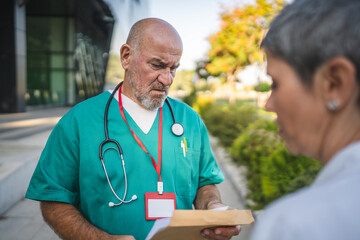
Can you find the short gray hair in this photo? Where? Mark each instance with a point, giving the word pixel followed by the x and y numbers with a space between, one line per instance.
pixel 307 33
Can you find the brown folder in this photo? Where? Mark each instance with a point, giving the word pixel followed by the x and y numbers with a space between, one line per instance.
pixel 187 224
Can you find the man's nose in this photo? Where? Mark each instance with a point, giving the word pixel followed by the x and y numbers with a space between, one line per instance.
pixel 166 77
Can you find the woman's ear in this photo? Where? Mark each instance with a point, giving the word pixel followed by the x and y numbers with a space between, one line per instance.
pixel 125 55
pixel 338 81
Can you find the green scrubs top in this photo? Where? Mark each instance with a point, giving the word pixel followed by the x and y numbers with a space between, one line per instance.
pixel 70 170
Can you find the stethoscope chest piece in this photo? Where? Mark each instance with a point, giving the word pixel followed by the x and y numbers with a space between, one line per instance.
pixel 177 129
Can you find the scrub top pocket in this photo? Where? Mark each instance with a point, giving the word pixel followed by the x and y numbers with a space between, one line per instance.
pixel 187 171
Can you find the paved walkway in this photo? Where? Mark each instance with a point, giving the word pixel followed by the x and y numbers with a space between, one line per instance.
pixel 22 138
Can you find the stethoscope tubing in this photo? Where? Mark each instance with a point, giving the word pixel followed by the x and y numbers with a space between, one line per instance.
pixel 107 139
pixel 177 129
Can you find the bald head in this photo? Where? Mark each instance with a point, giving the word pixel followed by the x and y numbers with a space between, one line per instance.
pixel 150 58
pixel 149 29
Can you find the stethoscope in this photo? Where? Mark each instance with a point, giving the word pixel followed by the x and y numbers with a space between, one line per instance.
pixel 176 128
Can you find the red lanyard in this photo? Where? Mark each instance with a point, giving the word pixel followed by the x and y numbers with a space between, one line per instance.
pixel 156 166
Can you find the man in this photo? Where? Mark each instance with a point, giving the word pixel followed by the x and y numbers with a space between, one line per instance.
pixel 78 189
pixel 313 57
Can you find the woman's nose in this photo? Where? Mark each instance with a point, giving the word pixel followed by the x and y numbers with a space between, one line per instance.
pixel 269 106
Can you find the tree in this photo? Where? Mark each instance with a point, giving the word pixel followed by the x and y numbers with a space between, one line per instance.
pixel 183 81
pixel 237 43
pixel 201 68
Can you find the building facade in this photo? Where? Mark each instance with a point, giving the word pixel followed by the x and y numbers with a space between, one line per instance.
pixel 55 52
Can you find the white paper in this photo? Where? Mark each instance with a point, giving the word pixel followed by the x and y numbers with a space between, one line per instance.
pixel 158 225
pixel 160 207
pixel 220 208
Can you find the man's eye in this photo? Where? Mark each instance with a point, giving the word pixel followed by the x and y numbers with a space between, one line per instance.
pixel 156 66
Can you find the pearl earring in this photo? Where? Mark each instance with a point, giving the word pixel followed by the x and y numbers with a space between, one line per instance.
pixel 332 105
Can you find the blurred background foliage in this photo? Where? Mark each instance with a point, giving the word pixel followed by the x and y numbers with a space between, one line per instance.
pixel 114 72
pixel 237 116
pixel 252 140
pixel 236 45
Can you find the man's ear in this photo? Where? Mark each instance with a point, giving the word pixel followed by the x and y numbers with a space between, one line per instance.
pixel 338 79
pixel 125 55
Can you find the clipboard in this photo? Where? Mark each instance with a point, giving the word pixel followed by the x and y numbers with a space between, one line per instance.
pixel 187 224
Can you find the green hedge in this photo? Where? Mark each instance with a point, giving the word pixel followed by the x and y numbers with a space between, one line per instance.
pixel 272 170
pixel 263 87
pixel 226 121
pixel 253 142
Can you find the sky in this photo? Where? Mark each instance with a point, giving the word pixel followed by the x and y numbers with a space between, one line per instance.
pixel 195 20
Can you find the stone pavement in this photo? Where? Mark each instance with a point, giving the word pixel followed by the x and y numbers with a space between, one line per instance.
pixel 22 138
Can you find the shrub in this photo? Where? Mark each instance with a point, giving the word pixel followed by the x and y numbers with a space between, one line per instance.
pixel 263 87
pixel 253 142
pixel 272 170
pixel 258 140
pixel 227 121
pixel 190 99
pixel 304 178
pixel 203 103
pixel 251 149
pixel 283 173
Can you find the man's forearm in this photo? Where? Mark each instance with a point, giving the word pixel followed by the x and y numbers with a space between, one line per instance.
pixel 208 197
pixel 69 223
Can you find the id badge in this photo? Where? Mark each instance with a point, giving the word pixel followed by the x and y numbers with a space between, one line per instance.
pixel 159 206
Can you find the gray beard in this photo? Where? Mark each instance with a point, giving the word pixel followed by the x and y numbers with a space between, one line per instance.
pixel 145 100
pixel 149 103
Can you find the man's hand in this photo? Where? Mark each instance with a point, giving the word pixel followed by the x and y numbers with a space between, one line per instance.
pixel 208 197
pixel 221 233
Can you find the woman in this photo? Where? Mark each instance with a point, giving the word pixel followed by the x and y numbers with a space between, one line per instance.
pixel 313 57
